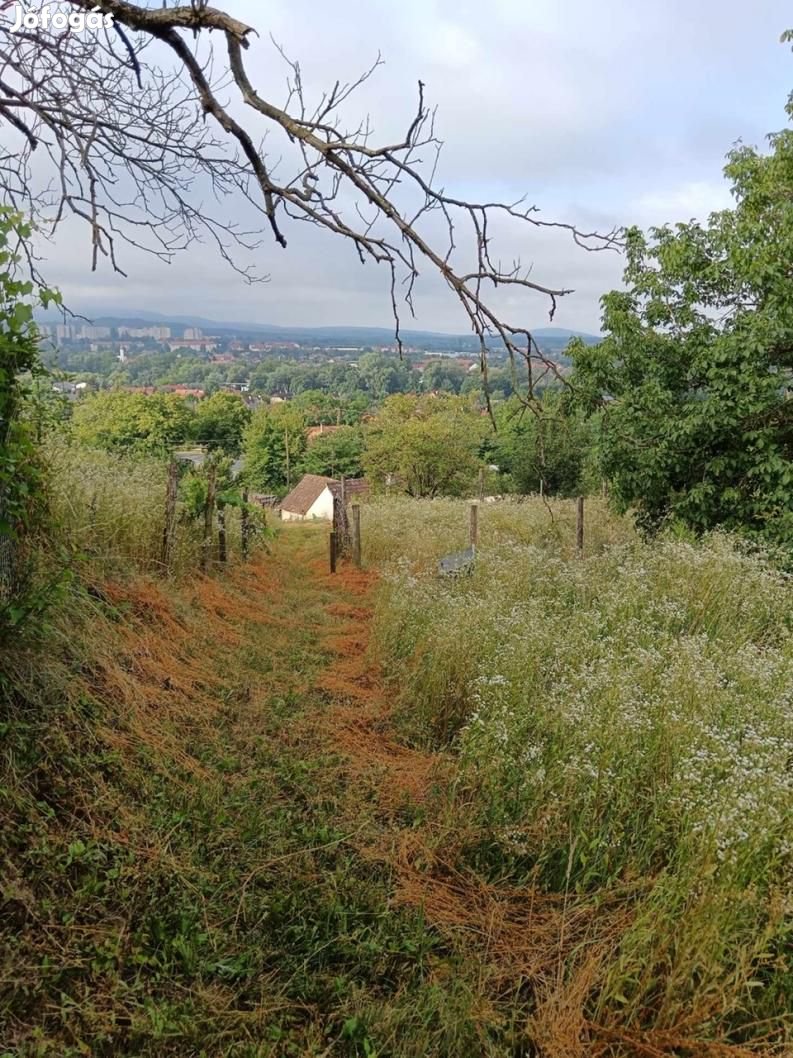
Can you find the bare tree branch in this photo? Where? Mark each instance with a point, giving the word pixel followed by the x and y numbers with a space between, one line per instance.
pixel 137 140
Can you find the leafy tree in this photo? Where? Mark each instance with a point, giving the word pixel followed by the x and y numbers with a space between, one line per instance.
pixel 319 407
pixel 546 448
pixel 499 384
pixel 335 453
pixel 443 377
pixel 696 370
pixel 115 420
pixel 427 445
pixel 220 422
pixel 381 375
pixel 274 443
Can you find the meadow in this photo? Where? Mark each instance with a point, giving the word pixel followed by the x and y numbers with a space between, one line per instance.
pixel 542 809
pixel 623 728
pixel 108 510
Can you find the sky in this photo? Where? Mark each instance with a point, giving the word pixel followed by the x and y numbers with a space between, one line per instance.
pixel 602 114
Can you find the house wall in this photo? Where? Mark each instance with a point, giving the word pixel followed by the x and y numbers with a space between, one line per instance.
pixel 322 507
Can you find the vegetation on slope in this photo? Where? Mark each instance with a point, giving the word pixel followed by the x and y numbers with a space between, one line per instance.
pixel 624 732
pixel 179 876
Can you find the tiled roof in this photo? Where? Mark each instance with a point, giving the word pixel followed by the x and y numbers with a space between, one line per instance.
pixel 303 495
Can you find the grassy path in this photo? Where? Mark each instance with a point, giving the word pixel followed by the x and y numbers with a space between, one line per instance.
pixel 215 844
pixel 193 830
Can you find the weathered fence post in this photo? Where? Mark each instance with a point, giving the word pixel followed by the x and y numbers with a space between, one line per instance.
pixel 171 491
pixel 209 518
pixel 245 525
pixel 579 527
pixel 341 525
pixel 481 484
pixel 332 550
pixel 356 534
pixel 473 529
pixel 222 549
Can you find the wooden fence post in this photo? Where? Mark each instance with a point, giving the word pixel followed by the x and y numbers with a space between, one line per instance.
pixel 473 528
pixel 340 524
pixel 332 550
pixel 245 525
pixel 171 491
pixel 222 549
pixel 481 484
pixel 209 518
pixel 356 534
pixel 579 527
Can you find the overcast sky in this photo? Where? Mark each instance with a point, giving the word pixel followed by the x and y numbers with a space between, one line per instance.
pixel 603 113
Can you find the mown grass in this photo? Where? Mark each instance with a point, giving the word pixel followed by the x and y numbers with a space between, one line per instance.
pixel 624 731
pixel 182 869
pixel 214 843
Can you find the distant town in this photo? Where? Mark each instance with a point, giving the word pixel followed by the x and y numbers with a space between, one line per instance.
pixel 198 358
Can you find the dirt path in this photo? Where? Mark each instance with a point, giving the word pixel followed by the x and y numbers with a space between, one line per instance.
pixel 530 958
pixel 225 849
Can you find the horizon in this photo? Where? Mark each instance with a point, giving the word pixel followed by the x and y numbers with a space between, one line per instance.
pixel 146 315
pixel 603 136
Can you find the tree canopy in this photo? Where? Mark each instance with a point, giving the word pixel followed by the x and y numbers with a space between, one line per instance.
pixel 546 449
pixel 694 376
pixel 220 422
pixel 336 453
pixel 274 443
pixel 427 445
pixel 116 420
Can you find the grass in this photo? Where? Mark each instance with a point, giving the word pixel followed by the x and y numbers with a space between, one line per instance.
pixel 543 810
pixel 183 857
pixel 110 509
pixel 624 731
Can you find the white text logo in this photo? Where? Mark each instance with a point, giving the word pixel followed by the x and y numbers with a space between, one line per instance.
pixel 47 18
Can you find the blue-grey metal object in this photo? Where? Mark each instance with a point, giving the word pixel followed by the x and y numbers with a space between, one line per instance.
pixel 459 562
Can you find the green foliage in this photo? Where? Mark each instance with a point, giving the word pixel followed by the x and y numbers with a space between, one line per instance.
pixel 136 422
pixel 220 421
pixel 334 454
pixel 696 367
pixel 427 446
pixel 443 376
pixel 22 476
pixel 326 408
pixel 545 448
pixel 381 376
pixel 274 443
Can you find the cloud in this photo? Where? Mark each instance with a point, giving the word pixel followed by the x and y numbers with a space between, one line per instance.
pixel 602 114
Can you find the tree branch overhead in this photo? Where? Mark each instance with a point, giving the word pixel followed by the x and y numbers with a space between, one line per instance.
pixel 144 143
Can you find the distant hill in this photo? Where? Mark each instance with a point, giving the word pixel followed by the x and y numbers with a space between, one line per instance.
pixel 555 337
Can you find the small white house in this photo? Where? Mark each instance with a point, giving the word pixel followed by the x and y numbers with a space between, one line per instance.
pixel 310 498
pixel 313 497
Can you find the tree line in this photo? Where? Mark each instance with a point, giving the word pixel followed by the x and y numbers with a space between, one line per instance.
pixel 424 444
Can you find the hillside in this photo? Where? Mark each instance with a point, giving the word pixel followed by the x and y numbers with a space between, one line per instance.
pixel 554 337
pixel 274 812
